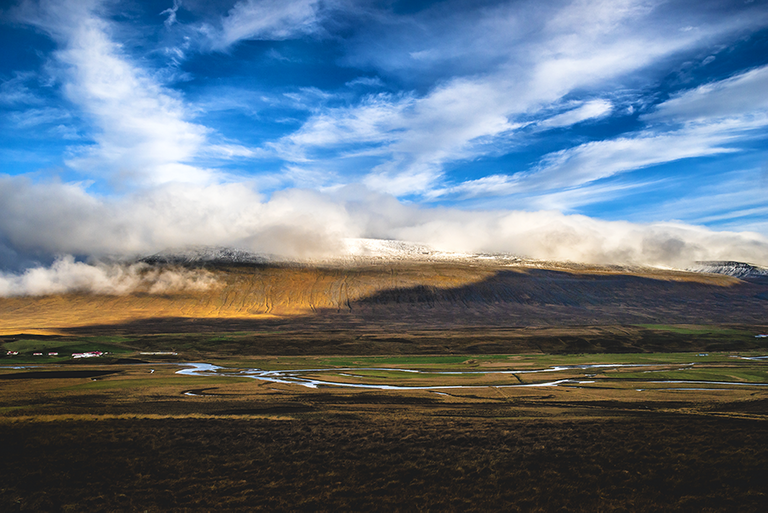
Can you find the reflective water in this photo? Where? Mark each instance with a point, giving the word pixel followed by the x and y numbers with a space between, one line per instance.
pixel 301 376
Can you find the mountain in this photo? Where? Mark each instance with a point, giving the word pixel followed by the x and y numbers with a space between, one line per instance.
pixel 352 251
pixel 739 270
pixel 397 286
pixel 206 255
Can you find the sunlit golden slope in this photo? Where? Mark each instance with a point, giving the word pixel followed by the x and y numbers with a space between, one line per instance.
pixel 264 291
pixel 242 291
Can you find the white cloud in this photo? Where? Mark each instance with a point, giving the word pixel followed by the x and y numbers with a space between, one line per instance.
pixel 555 236
pixel 589 110
pixel 726 203
pixel 372 121
pixel 590 162
pixel 171 12
pixel 365 81
pixel 66 219
pixel 415 136
pixel 579 46
pixel 65 275
pixel 601 159
pixel 571 198
pixel 302 224
pixel 740 96
pixel 391 179
pixel 35 117
pixel 716 118
pixel 143 133
pixel 267 19
pixel 491 185
pixel 14 91
pixel 230 151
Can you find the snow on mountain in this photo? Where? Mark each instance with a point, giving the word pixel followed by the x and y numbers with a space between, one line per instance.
pixel 380 250
pixel 739 270
pixel 353 251
pixel 207 254
pixel 359 251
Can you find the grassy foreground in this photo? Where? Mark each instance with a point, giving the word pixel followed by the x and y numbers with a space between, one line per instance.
pixel 626 463
pixel 139 437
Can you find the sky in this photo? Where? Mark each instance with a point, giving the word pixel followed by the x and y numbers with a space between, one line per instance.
pixel 623 131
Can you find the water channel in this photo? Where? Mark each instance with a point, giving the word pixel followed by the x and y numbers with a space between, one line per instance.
pixel 302 377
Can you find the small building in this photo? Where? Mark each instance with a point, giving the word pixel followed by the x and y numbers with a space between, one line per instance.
pixel 90 354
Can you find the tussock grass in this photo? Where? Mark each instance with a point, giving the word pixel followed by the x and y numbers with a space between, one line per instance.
pixel 185 464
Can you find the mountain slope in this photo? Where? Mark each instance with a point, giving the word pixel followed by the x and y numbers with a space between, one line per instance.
pixel 740 270
pixel 416 294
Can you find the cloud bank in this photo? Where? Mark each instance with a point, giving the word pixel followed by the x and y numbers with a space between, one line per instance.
pixel 66 275
pixel 301 224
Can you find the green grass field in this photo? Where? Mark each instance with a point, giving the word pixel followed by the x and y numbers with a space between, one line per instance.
pixel 144 438
pixel 65 347
pixel 695 329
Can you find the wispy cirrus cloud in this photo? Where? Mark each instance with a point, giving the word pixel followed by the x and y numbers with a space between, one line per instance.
pixel 716 118
pixel 601 159
pixel 735 201
pixel 593 161
pixel 16 90
pixel 142 130
pixel 712 119
pixel 589 110
pixel 265 19
pixel 578 46
pixel 36 117
pixel 171 12
pixel 742 95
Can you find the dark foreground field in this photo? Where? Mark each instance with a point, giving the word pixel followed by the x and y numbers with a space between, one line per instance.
pixel 638 462
pixel 125 436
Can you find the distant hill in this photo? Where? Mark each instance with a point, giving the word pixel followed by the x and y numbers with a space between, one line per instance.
pixel 736 269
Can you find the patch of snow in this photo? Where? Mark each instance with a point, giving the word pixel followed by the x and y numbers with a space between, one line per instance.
pixel 206 254
pixel 353 251
pixel 736 269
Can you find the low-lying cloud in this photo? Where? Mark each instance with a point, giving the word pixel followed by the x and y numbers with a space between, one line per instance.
pixel 66 275
pixel 41 221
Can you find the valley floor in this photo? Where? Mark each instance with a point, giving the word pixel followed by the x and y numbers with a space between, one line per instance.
pixel 122 436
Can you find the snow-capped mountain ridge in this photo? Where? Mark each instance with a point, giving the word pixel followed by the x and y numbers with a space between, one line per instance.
pixel 398 250
pixel 736 269
pixel 359 251
pixel 352 251
pixel 207 254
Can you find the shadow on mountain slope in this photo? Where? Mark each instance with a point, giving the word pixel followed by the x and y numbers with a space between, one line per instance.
pixel 535 311
pixel 533 298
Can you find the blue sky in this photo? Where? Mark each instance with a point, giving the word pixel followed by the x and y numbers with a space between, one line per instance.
pixel 131 126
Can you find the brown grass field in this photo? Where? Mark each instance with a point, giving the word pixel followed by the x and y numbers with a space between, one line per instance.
pixel 115 437
pixel 125 432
